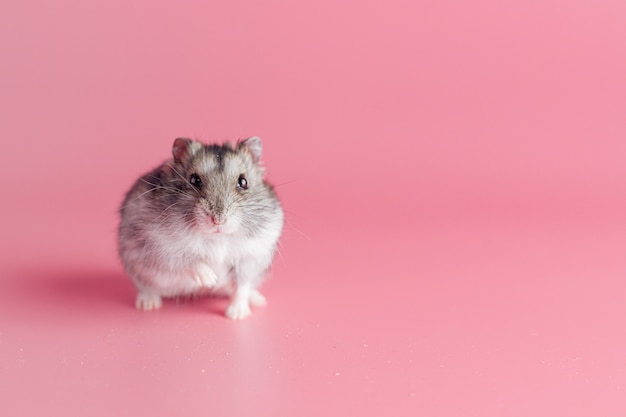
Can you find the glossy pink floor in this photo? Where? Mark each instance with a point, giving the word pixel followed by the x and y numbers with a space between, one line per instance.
pixel 455 184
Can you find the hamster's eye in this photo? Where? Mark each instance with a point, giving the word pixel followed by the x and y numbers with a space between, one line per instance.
pixel 242 182
pixel 195 180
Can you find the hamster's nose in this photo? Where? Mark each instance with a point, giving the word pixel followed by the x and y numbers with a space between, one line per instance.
pixel 218 219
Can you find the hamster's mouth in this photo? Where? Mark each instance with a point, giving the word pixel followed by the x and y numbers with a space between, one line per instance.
pixel 222 230
pixel 208 227
pixel 216 226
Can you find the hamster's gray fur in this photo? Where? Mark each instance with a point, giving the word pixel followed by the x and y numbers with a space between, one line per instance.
pixel 204 221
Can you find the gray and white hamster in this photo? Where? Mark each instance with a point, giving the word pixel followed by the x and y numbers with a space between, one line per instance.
pixel 203 222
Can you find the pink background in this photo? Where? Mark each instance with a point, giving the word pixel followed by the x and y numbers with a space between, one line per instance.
pixel 454 178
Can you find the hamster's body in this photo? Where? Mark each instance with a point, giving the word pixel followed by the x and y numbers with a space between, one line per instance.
pixel 204 222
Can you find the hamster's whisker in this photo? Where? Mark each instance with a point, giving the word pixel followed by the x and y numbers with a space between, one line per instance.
pixel 158 187
pixel 290 225
pixel 262 206
pixel 280 249
pixel 152 190
pixel 283 183
pixel 183 178
pixel 291 213
pixel 161 186
pixel 163 215
pixel 138 197
pixel 168 207
pixel 153 184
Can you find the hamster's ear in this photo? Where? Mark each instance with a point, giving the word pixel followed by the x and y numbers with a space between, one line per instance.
pixel 253 145
pixel 184 148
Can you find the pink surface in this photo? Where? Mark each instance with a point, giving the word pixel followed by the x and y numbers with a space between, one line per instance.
pixel 454 178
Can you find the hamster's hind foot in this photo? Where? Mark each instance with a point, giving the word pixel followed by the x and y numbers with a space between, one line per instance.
pixel 257 299
pixel 147 302
pixel 241 302
pixel 238 310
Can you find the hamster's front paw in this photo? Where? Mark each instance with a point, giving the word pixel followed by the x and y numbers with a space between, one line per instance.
pixel 238 310
pixel 205 276
pixel 147 302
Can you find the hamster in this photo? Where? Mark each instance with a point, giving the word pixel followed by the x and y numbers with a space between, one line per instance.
pixel 203 222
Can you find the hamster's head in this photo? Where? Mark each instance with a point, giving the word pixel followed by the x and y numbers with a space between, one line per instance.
pixel 223 187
